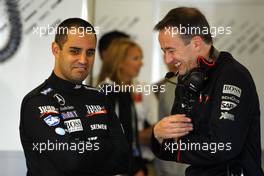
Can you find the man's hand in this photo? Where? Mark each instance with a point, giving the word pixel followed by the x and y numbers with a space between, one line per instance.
pixel 140 173
pixel 173 126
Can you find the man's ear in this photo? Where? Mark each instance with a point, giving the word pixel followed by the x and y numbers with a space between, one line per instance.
pixel 55 49
pixel 197 42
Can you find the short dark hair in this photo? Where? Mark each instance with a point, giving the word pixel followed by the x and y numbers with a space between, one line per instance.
pixel 108 37
pixel 188 18
pixel 61 37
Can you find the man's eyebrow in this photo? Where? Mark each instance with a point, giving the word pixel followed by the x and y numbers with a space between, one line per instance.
pixel 79 49
pixel 91 49
pixel 75 48
pixel 167 48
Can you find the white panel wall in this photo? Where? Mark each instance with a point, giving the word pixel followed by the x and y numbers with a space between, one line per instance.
pixel 134 17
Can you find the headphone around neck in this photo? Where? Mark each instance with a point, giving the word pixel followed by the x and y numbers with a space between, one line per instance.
pixel 195 79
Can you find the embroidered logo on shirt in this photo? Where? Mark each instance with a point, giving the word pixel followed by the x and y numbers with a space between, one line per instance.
pixel 95 110
pixel 46 91
pixel 60 131
pixel 227 105
pixel 77 86
pixel 98 127
pixel 69 114
pixel 227 116
pixel 52 120
pixel 47 109
pixel 231 89
pixel 230 98
pixel 66 108
pixel 73 125
pixel 59 99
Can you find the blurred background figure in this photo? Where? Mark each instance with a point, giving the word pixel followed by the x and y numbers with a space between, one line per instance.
pixel 103 45
pixel 137 110
pixel 106 40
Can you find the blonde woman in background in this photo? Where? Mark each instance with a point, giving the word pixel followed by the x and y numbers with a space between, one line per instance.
pixel 137 111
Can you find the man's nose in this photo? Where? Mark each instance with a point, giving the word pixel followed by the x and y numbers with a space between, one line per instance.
pixel 83 58
pixel 168 57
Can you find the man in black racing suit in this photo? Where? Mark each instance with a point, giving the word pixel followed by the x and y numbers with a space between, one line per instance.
pixel 215 126
pixel 67 128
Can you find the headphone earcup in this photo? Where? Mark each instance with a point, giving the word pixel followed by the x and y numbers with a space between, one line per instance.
pixel 195 80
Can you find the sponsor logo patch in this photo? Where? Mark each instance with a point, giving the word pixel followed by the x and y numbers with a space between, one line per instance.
pixel 227 116
pixel 59 99
pixel 52 120
pixel 91 88
pixel 69 114
pixel 98 127
pixel 47 109
pixel 227 105
pixel 60 131
pixel 74 125
pixel 77 86
pixel 66 108
pixel 231 98
pixel 231 89
pixel 46 91
pixel 95 110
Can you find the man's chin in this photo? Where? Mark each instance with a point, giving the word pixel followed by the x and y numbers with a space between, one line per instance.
pixel 182 72
pixel 79 78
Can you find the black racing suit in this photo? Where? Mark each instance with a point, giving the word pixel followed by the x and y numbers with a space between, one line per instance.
pixel 71 130
pixel 226 119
